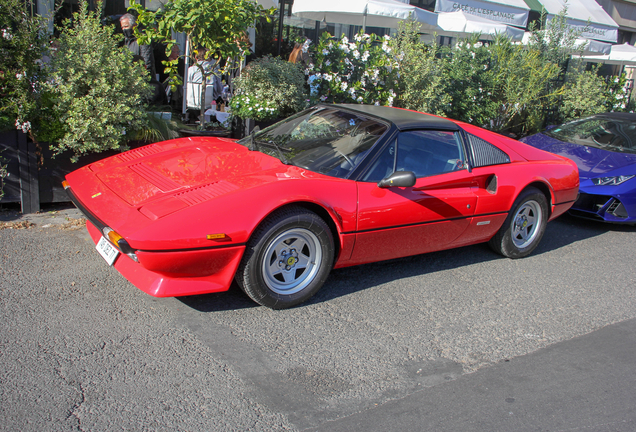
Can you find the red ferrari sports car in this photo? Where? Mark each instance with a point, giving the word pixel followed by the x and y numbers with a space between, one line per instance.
pixel 330 187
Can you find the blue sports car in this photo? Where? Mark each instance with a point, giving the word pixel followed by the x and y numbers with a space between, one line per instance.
pixel 603 146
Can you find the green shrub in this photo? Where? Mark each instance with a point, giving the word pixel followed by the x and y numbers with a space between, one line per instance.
pixel 268 88
pixel 585 95
pixel 588 93
pixel 421 84
pixel 470 82
pixel 521 91
pixel 96 95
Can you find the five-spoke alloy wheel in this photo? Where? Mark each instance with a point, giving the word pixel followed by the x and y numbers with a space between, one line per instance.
pixel 287 259
pixel 524 227
pixel 291 261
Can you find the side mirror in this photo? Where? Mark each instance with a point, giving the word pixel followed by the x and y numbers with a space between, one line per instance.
pixel 398 179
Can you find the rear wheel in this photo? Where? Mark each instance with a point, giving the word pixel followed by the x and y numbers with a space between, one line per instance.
pixel 524 227
pixel 287 259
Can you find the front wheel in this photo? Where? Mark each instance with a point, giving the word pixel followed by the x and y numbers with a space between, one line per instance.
pixel 287 259
pixel 524 227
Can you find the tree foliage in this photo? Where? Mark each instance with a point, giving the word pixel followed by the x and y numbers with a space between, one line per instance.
pixel 217 26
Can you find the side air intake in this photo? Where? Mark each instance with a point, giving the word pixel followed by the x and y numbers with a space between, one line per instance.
pixel 485 154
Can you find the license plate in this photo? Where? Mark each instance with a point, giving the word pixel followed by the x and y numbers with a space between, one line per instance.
pixel 107 250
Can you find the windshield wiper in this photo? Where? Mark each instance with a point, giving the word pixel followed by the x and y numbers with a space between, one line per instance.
pixel 283 159
pixel 252 144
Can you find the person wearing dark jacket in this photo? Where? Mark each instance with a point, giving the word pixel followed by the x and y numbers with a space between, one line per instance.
pixel 128 23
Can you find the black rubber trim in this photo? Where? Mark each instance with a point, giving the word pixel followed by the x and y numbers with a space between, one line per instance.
pixel 81 207
pixel 425 223
pixel 191 249
pixel 564 202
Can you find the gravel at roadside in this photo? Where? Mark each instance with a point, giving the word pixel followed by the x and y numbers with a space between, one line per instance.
pixel 61 216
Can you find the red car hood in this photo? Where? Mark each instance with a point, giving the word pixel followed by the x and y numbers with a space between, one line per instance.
pixel 141 176
pixel 131 190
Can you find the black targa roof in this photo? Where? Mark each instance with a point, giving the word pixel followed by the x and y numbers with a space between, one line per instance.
pixel 403 119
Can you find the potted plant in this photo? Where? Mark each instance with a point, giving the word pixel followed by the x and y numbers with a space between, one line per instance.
pixel 269 89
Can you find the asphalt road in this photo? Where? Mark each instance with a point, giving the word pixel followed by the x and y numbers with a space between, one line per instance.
pixel 454 340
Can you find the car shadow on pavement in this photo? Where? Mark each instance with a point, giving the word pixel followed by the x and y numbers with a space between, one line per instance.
pixel 233 299
pixel 567 229
pixel 559 233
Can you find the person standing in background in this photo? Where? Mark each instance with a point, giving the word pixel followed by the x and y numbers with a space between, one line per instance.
pixel 128 23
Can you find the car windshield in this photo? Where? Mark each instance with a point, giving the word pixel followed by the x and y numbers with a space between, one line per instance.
pixel 326 140
pixel 601 132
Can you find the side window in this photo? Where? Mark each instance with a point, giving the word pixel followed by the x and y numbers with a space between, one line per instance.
pixel 425 153
pixel 383 166
pixel 428 153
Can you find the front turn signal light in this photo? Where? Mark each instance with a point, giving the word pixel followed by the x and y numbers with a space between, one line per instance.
pixel 65 184
pixel 112 235
pixel 120 243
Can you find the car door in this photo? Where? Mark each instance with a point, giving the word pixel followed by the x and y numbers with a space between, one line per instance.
pixel 400 221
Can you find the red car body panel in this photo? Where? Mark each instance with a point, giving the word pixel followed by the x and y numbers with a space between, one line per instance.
pixel 162 284
pixel 168 199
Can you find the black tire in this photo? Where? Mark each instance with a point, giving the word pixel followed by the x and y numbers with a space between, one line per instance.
pixel 524 227
pixel 287 259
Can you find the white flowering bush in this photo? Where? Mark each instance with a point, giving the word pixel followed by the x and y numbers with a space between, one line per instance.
pixel 269 88
pixel 23 42
pixel 363 70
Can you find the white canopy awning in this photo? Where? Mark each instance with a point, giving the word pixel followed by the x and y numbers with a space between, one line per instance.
pixel 512 12
pixel 372 13
pixel 601 26
pixel 462 24
pixel 589 46
pixel 624 55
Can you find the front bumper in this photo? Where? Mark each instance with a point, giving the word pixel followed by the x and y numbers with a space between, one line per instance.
pixel 220 264
pixel 170 273
pixel 605 208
